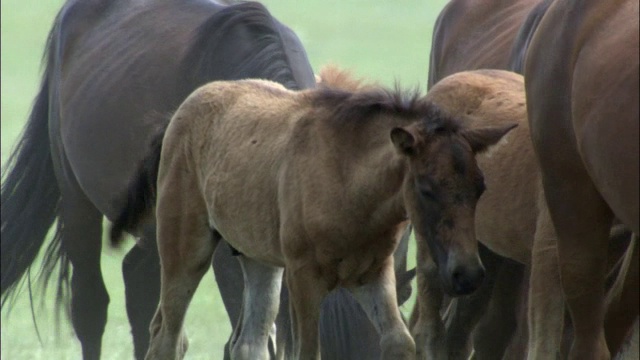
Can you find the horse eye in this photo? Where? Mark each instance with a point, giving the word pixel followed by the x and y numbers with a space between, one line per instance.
pixel 427 191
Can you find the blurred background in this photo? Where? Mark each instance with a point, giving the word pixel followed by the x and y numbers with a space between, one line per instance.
pixel 384 41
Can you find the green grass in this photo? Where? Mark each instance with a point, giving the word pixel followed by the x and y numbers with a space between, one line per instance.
pixel 384 41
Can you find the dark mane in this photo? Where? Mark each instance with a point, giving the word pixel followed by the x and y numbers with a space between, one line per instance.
pixel 260 55
pixel 351 108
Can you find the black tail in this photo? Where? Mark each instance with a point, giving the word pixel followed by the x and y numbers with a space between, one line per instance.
pixel 30 198
pixel 141 194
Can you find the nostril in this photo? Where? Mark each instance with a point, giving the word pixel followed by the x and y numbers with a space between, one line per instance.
pixel 458 274
pixel 465 281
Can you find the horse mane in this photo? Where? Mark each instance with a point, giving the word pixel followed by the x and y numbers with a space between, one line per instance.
pixel 261 56
pixel 332 76
pixel 525 35
pixel 348 107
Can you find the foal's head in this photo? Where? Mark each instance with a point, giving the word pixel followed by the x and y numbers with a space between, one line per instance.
pixel 442 190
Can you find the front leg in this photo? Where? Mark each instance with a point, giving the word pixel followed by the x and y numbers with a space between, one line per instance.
pixel 307 289
pixel 378 300
pixel 427 326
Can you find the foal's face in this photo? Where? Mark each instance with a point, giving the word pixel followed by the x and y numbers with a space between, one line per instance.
pixel 441 193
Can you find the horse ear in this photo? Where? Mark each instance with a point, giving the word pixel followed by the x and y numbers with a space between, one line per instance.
pixel 481 139
pixel 403 140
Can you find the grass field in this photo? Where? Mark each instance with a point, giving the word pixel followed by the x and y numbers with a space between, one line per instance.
pixel 380 40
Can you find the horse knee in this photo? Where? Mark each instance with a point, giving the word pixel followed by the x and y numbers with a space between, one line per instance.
pixel 398 345
pixel 249 351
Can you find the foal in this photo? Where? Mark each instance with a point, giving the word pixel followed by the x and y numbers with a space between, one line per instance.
pixel 314 183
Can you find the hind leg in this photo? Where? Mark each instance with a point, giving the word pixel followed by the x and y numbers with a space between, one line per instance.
pixel 185 245
pixel 82 243
pixel 622 310
pixel 582 221
pixel 546 303
pixel 141 273
pixel 262 285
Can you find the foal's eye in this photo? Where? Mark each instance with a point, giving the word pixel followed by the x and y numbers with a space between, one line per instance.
pixel 427 191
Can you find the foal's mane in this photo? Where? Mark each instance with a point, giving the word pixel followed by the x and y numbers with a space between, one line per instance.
pixel 265 57
pixel 354 107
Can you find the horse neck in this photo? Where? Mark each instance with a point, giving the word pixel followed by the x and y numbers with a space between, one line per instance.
pixel 374 171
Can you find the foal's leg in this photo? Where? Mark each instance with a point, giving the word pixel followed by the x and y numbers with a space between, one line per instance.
pixel 228 274
pixel 186 246
pixel 82 243
pixel 546 302
pixel 307 289
pixel 141 272
pixel 427 326
pixel 378 300
pixel 260 306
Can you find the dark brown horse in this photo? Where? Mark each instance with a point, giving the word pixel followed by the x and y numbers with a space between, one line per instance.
pixel 317 182
pixel 582 100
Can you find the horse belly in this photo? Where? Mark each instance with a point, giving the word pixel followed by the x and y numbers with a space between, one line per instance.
pixel 242 203
pixel 506 213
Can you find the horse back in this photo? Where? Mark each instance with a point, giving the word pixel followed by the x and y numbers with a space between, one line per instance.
pixel 472 34
pixel 121 68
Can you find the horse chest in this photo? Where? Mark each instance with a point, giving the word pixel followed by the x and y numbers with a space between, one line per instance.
pixel 353 264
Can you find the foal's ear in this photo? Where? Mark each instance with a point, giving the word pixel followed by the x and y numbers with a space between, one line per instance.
pixel 403 140
pixel 481 139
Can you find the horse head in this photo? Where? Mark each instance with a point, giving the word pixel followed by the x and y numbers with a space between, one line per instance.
pixel 441 191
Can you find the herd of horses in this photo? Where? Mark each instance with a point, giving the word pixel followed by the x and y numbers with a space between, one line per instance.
pixel 517 173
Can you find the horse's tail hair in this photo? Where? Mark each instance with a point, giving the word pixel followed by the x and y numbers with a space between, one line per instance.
pixel 30 204
pixel 141 194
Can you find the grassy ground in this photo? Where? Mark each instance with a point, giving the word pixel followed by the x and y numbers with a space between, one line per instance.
pixel 384 41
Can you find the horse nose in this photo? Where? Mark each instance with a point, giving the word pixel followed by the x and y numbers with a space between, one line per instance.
pixel 465 279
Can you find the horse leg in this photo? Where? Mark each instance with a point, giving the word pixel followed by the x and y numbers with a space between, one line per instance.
pixel 465 312
pixel 228 274
pixel 622 307
pixel 379 302
pixel 546 303
pixel 82 243
pixel 307 289
pixel 284 335
pixel 582 221
pixel 262 285
pixel 185 245
pixel 426 324
pixel 496 329
pixel 141 273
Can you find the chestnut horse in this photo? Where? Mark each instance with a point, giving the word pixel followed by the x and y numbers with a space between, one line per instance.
pixel 511 216
pixel 316 182
pixel 582 95
pixel 470 35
